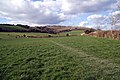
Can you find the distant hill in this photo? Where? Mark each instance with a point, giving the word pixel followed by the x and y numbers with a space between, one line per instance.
pixel 42 29
pixel 59 29
pixel 12 28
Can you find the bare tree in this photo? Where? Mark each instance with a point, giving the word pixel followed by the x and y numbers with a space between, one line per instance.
pixel 114 20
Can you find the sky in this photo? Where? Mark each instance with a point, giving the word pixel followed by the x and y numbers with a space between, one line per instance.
pixel 58 12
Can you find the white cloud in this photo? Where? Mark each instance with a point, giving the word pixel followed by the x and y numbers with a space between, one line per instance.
pixel 116 13
pixel 38 12
pixel 83 23
pixel 49 11
pixel 95 16
pixel 97 19
pixel 81 6
pixel 104 22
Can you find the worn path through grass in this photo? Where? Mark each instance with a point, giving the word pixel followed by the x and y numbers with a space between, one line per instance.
pixel 64 58
pixel 91 59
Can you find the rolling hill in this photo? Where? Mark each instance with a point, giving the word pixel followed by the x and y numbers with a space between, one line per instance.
pixel 53 29
pixel 11 28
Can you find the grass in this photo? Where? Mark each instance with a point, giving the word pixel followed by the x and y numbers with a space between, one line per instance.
pixel 13 34
pixel 75 32
pixel 64 58
pixel 10 35
pixel 12 27
pixel 99 47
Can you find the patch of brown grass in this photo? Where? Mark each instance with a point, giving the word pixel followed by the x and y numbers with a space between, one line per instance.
pixel 115 34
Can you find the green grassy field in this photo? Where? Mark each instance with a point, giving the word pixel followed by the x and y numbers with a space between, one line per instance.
pixel 10 35
pixel 61 58
pixel 12 27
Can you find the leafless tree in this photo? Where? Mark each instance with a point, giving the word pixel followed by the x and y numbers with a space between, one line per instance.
pixel 114 20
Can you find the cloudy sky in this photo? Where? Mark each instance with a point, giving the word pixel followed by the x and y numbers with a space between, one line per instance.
pixel 61 12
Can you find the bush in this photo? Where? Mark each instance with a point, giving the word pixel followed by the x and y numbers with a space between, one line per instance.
pixel 87 31
pixel 49 36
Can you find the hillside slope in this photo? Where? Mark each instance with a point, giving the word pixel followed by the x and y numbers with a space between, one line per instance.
pixel 42 29
pixel 12 28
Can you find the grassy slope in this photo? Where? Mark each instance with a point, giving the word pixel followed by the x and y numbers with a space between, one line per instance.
pixel 99 47
pixel 13 34
pixel 67 58
pixel 12 27
pixel 74 32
